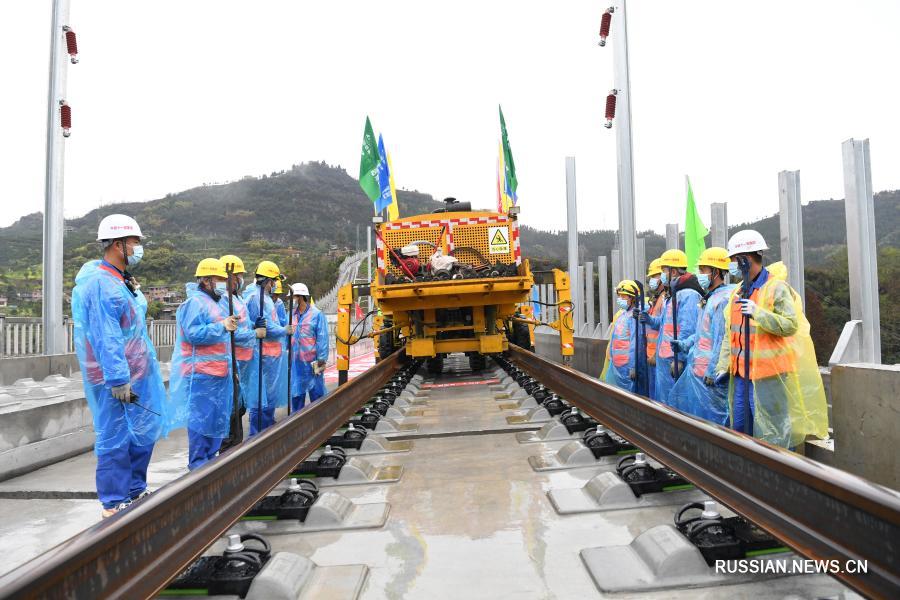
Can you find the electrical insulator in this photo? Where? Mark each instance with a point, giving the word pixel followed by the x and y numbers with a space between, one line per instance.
pixel 65 118
pixel 605 21
pixel 610 108
pixel 71 45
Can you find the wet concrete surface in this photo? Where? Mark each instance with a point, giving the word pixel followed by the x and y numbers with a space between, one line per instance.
pixel 468 519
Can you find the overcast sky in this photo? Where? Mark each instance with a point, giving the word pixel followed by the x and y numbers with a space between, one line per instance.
pixel 170 94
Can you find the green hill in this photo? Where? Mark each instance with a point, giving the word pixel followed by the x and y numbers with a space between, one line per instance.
pixel 307 218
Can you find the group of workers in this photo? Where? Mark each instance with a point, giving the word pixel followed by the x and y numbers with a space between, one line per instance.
pixel 738 355
pixel 223 330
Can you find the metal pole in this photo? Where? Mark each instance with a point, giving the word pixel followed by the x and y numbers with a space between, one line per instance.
pixel 640 259
pixel 603 291
pixel 589 295
pixel 673 237
pixel 791 222
pixel 572 222
pixel 859 209
pixel 623 140
pixel 616 277
pixel 718 224
pixel 54 223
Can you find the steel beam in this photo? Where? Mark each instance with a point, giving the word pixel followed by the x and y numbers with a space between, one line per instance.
pixel 640 261
pixel 673 237
pixel 719 224
pixel 862 257
pixel 589 295
pixel 627 231
pixel 572 238
pixel 54 221
pixel 790 218
pixel 603 291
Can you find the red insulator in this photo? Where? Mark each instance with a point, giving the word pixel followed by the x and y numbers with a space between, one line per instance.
pixel 65 118
pixel 71 45
pixel 610 109
pixel 605 21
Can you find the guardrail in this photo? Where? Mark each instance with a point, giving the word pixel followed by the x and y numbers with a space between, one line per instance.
pixel 24 336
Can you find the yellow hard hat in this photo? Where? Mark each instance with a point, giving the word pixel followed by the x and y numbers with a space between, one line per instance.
pixel 231 259
pixel 673 258
pixel 277 289
pixel 655 267
pixel 210 267
pixel 268 269
pixel 628 287
pixel 714 257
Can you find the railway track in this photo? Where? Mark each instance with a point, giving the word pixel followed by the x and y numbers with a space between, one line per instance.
pixel 817 511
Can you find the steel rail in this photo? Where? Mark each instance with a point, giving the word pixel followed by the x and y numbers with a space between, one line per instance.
pixel 819 511
pixel 137 552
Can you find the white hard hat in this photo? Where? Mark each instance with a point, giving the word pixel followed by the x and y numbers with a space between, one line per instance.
pixel 411 250
pixel 746 241
pixel 299 289
pixel 113 227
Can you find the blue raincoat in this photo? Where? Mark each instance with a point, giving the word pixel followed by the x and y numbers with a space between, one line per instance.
pixel 200 386
pixel 273 357
pixel 620 351
pixel 113 348
pixel 688 313
pixel 690 394
pixel 310 344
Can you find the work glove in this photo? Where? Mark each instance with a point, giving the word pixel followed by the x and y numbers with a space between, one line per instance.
pixel 709 381
pixel 260 332
pixel 230 323
pixel 121 392
pixel 321 364
pixel 260 327
pixel 642 316
pixel 632 374
pixel 677 346
pixel 748 306
pixel 721 377
pixel 672 367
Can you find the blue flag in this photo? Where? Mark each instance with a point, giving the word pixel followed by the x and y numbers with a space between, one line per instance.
pixel 384 179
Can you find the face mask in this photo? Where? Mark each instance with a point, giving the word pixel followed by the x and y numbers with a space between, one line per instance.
pixel 622 303
pixel 221 287
pixel 734 269
pixel 654 283
pixel 137 256
pixel 664 278
pixel 703 280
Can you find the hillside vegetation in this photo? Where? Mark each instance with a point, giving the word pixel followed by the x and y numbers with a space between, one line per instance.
pixel 306 219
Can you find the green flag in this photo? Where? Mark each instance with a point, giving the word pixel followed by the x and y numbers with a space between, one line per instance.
pixel 368 164
pixel 694 231
pixel 510 166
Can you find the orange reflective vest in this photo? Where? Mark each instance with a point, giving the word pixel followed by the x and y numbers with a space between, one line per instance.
pixel 653 334
pixel 770 355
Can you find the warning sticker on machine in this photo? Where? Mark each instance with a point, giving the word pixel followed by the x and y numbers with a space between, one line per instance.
pixel 498 240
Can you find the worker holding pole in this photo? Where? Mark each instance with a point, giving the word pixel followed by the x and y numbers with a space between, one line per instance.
pixel 677 322
pixel 656 302
pixel 309 349
pixel 244 339
pixel 775 391
pixel 264 381
pixel 620 369
pixel 200 386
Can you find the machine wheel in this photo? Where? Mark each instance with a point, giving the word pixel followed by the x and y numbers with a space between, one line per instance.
pixel 521 336
pixel 477 362
pixel 435 365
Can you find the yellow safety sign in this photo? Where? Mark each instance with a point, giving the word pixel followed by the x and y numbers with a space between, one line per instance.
pixel 498 240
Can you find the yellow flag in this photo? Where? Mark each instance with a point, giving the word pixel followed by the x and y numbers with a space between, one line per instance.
pixel 393 207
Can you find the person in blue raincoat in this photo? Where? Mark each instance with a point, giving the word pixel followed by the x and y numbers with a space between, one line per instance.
pixel 619 369
pixel 281 311
pixel 120 371
pixel 200 385
pixel 268 328
pixel 310 349
pixel 687 294
pixel 696 391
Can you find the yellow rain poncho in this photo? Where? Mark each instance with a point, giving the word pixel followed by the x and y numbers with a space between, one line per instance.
pixel 788 396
